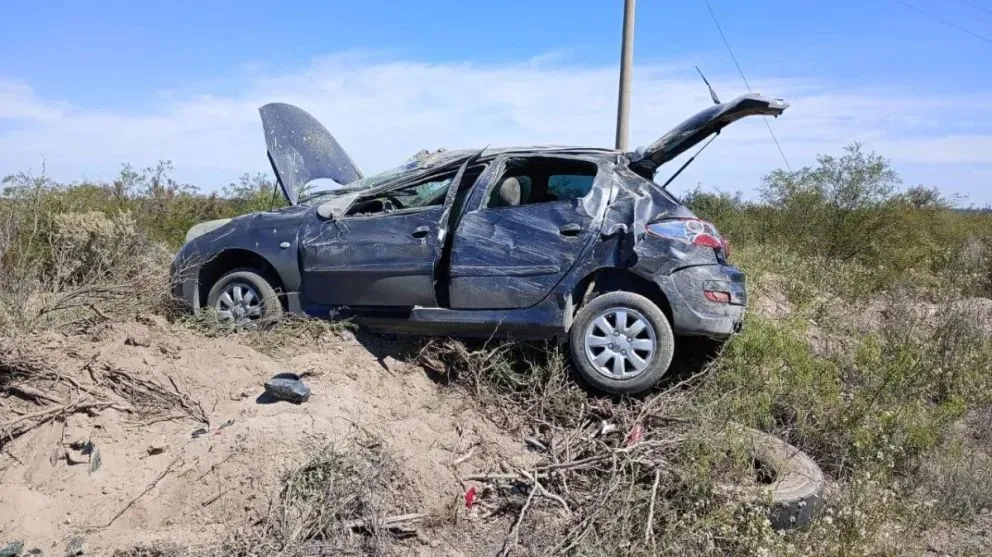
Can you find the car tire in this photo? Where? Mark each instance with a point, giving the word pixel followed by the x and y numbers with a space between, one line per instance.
pixel 796 493
pixel 598 320
pixel 260 306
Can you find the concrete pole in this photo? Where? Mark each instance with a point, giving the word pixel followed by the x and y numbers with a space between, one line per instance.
pixel 626 61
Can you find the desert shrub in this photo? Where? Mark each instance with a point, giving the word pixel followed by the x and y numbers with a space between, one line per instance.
pixel 342 489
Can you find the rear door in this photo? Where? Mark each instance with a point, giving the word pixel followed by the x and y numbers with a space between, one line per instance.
pixel 512 255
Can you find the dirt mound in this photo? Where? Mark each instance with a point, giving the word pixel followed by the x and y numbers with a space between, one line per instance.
pixel 156 481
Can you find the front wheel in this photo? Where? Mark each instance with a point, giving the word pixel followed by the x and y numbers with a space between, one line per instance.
pixel 621 343
pixel 243 296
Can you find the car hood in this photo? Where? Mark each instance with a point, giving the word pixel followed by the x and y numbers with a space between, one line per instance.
pixel 302 150
pixel 700 126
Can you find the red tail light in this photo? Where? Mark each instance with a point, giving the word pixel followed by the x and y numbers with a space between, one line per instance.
pixel 695 231
pixel 717 296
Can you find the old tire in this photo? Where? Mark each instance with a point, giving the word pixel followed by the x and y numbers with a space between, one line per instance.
pixel 796 492
pixel 243 297
pixel 621 358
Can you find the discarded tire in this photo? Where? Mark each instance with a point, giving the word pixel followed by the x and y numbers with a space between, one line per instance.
pixel 796 490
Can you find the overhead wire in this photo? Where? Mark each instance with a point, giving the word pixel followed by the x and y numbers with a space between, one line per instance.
pixel 946 22
pixel 726 43
pixel 977 6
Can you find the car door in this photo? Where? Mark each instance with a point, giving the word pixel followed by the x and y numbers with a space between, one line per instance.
pixel 512 256
pixel 384 259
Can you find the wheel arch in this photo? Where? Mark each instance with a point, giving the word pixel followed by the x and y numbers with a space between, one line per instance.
pixel 237 258
pixel 613 279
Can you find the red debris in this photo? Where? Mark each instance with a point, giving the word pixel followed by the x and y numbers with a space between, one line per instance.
pixel 470 497
pixel 635 435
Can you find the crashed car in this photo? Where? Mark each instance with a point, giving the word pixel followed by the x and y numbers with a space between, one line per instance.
pixel 574 243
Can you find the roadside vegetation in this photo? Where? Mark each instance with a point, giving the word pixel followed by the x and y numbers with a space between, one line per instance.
pixel 868 345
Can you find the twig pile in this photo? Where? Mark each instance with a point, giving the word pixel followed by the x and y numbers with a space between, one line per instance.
pixel 26 376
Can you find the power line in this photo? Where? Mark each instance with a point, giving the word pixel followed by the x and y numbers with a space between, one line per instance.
pixel 944 21
pixel 978 7
pixel 726 43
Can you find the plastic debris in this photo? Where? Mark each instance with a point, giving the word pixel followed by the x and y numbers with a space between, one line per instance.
pixel 290 389
pixel 635 435
pixel 470 497
pixel 197 433
pixel 75 547
pixel 12 549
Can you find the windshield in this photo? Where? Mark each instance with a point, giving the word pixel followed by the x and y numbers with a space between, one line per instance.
pixel 421 160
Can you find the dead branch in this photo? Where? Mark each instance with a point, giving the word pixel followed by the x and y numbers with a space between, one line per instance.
pixel 515 531
pixel 649 530
pixel 23 424
pixel 150 487
pixel 389 522
pixel 27 392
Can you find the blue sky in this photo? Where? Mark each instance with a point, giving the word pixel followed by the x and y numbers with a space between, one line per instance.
pixel 85 87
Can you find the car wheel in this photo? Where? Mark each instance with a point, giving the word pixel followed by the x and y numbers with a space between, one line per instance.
pixel 242 297
pixel 621 343
pixel 794 492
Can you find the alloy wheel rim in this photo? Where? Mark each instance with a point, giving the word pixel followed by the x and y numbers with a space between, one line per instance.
pixel 239 303
pixel 620 343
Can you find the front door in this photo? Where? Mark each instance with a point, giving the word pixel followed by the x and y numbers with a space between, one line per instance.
pixel 381 253
pixel 523 230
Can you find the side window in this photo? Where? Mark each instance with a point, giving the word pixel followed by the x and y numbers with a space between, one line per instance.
pixel 428 193
pixel 569 186
pixel 532 180
pixel 424 194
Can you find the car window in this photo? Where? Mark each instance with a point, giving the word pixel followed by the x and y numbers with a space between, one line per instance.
pixel 424 194
pixel 533 180
pixel 569 186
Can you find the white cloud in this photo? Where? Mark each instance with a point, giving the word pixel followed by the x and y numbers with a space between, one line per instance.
pixel 384 109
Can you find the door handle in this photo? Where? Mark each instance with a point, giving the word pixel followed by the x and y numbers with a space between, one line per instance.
pixel 421 232
pixel 571 229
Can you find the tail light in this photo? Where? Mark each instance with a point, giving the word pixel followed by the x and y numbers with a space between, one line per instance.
pixel 695 231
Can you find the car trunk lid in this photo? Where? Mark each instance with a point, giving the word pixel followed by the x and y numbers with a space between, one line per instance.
pixel 679 139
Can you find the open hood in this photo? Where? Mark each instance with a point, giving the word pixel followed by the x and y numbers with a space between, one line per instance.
pixel 700 126
pixel 302 150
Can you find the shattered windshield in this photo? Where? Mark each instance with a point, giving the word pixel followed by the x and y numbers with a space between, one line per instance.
pixel 421 160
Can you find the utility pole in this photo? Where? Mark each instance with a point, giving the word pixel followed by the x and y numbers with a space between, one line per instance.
pixel 626 61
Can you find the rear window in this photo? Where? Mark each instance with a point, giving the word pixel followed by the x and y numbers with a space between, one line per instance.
pixel 569 186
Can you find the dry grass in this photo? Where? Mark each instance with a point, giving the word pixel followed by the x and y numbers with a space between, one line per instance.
pixel 38 395
pixel 344 501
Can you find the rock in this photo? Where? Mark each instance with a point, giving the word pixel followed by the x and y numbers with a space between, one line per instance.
pixel 288 389
pixel 75 547
pixel 12 549
pixel 138 340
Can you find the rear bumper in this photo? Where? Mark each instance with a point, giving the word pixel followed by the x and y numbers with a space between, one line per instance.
pixel 692 313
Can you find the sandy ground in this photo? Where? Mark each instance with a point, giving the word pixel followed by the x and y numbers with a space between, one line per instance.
pixel 215 483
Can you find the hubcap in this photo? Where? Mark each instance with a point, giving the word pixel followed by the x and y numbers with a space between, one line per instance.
pixel 239 303
pixel 620 343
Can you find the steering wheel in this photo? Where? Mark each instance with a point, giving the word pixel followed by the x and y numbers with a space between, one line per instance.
pixel 396 203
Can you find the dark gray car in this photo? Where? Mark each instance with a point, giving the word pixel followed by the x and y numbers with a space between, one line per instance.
pixel 573 243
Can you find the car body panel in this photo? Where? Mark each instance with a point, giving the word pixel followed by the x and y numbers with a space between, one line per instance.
pixel 512 257
pixel 701 125
pixel 382 260
pixel 301 150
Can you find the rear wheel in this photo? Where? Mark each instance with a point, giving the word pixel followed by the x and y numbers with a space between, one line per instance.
pixel 621 343
pixel 243 296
